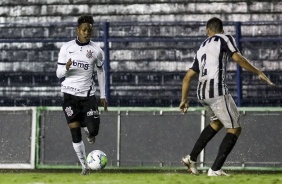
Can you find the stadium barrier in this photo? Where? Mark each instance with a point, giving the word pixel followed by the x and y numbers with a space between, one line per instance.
pixel 145 62
pixel 144 138
pixel 18 137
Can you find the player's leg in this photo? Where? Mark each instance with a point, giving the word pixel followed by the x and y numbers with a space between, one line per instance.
pixel 73 116
pixel 229 116
pixel 225 148
pixel 78 144
pixel 91 118
pixel 206 135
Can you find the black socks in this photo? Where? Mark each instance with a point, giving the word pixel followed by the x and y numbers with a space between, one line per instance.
pixel 206 135
pixel 225 148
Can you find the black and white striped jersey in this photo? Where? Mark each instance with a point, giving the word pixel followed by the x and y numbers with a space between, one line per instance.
pixel 210 63
pixel 79 79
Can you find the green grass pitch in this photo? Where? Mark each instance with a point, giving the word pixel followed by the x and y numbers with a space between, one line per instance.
pixel 10 177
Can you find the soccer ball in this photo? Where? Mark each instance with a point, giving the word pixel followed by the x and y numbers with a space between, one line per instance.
pixel 96 160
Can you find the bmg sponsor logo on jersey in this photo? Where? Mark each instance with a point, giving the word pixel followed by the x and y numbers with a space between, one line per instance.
pixel 80 64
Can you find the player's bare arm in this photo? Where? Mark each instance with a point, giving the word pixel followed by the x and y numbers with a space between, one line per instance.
pixel 244 63
pixel 184 104
pixel 68 64
pixel 104 103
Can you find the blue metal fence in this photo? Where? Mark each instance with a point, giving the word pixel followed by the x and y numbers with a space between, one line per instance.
pixel 121 32
pixel 238 36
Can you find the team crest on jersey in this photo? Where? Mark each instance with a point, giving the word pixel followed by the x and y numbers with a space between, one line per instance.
pixel 89 54
pixel 69 111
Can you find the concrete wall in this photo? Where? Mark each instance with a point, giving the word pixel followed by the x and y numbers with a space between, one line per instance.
pixel 142 73
pixel 139 10
pixel 161 138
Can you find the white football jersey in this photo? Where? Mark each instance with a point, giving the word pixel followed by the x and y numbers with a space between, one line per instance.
pixel 210 63
pixel 79 79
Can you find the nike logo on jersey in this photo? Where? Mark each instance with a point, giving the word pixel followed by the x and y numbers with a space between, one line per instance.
pixel 71 52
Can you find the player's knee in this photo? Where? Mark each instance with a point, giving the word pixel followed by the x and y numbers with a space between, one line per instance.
pixel 76 135
pixel 238 131
pixel 93 128
pixel 216 125
pixel 94 132
pixel 235 131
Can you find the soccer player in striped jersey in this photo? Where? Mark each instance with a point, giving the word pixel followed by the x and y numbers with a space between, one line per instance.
pixel 210 66
pixel 78 59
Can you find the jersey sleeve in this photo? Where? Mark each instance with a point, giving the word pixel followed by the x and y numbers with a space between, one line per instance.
pixel 231 45
pixel 61 63
pixel 101 74
pixel 101 81
pixel 195 65
pixel 100 59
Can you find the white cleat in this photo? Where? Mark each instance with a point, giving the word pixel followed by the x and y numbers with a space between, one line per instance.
pixel 191 165
pixel 217 173
pixel 85 171
pixel 91 140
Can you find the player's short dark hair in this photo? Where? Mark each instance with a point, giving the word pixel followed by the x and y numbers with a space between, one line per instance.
pixel 215 25
pixel 85 19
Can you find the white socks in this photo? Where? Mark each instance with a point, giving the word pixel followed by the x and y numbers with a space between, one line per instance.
pixel 79 149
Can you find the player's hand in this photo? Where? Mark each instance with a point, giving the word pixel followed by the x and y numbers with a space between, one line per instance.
pixel 184 106
pixel 104 104
pixel 68 64
pixel 263 77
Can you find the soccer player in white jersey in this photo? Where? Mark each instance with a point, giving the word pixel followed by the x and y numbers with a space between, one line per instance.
pixel 210 66
pixel 78 59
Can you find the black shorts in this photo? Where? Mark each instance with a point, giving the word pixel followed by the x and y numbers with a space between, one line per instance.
pixel 81 109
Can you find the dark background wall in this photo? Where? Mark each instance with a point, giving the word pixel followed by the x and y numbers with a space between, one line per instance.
pixel 162 138
pixel 139 10
pixel 258 145
pixel 17 138
pixel 142 73
pixel 137 138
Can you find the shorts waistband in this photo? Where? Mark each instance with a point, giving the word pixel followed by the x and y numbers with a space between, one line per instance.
pixel 69 96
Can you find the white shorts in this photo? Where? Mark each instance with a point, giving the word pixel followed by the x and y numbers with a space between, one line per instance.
pixel 224 109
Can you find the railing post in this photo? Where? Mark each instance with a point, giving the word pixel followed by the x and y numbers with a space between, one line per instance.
pixel 239 69
pixel 106 58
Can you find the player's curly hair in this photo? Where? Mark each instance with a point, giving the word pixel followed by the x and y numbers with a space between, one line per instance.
pixel 85 19
pixel 215 24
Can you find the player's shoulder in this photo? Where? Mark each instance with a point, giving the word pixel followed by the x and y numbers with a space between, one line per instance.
pixel 71 42
pixel 225 36
pixel 68 43
pixel 95 45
